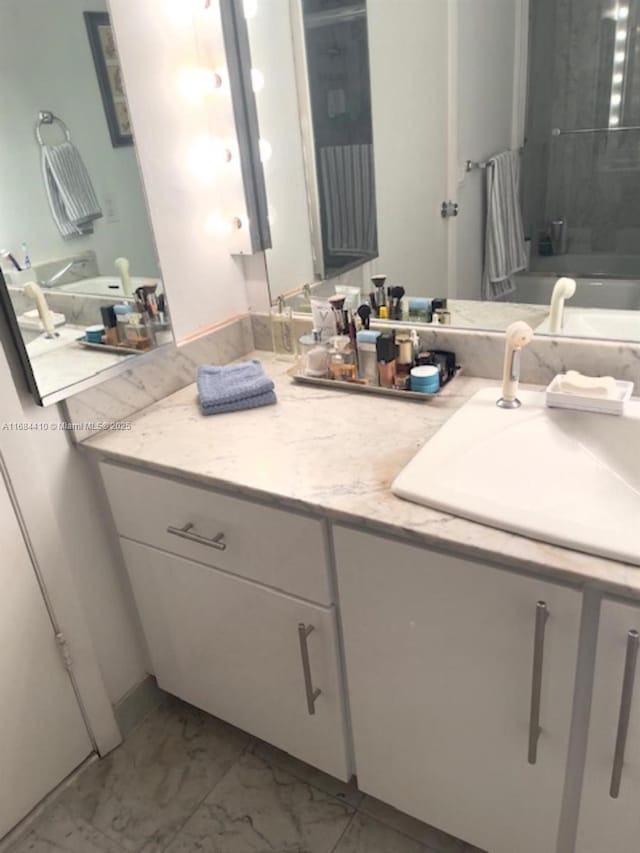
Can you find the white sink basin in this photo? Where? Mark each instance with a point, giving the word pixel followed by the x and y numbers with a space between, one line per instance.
pixel 105 285
pixel 41 345
pixel 598 323
pixel 564 477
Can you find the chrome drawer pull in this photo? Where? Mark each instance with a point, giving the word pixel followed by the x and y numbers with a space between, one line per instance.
pixel 312 695
pixel 185 533
pixel 633 638
pixel 542 614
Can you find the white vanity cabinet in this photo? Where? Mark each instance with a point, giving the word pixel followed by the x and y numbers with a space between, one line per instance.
pixel 609 817
pixel 248 652
pixel 443 659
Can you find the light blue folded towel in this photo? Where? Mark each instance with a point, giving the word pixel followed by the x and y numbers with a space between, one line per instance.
pixel 233 388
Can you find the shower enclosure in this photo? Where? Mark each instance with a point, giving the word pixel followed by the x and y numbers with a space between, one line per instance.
pixel 581 167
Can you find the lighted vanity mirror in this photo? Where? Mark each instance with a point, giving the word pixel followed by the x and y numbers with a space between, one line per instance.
pixel 381 123
pixel 81 285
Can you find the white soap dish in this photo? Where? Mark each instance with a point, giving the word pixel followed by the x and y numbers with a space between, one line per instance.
pixel 555 398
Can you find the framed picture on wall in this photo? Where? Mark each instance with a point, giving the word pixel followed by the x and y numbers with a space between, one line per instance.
pixel 109 73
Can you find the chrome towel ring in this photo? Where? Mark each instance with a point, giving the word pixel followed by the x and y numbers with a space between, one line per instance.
pixel 46 117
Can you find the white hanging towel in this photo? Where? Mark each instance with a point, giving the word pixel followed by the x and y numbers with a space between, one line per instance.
pixel 72 198
pixel 504 240
pixel 349 192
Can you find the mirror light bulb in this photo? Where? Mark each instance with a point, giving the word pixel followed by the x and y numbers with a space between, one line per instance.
pixel 265 150
pixel 205 157
pixel 250 8
pixel 257 80
pixel 180 12
pixel 222 226
pixel 619 57
pixel 623 13
pixel 195 84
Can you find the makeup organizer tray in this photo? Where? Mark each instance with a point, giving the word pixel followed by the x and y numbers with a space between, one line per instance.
pixel 340 385
pixel 120 350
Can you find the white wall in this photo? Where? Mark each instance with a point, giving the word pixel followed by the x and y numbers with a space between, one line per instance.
pixel 486 78
pixel 82 525
pixel 46 64
pixel 156 41
pixel 290 261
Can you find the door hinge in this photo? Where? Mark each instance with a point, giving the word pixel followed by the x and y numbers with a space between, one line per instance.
pixel 448 209
pixel 65 654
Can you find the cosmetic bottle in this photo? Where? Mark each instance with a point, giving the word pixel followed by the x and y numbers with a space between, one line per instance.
pixel 342 359
pixel 386 355
pixel 367 356
pixel 282 337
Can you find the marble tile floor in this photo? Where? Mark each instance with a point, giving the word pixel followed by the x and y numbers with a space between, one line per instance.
pixel 185 782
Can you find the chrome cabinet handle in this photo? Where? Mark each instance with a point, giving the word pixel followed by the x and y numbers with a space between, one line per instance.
pixel 542 614
pixel 185 533
pixel 633 639
pixel 312 694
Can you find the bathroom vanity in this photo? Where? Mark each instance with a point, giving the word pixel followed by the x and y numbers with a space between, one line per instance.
pixel 451 666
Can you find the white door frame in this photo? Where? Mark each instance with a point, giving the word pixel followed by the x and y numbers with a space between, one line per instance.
pixel 29 494
pixel 455 167
pixel 520 74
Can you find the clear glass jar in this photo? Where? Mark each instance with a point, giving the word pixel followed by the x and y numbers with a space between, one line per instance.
pixel 282 337
pixel 314 355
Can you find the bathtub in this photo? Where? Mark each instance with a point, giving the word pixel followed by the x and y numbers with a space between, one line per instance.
pixel 598 323
pixel 584 265
pixel 104 285
pixel 622 294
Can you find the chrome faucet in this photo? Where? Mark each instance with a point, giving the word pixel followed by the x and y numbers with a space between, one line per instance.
pixel 77 262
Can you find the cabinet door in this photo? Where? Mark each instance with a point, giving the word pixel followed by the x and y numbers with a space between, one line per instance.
pixel 232 648
pixel 612 823
pixel 439 658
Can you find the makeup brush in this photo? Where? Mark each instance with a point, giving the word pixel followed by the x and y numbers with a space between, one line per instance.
pixel 5 253
pixel 364 312
pixel 396 295
pixel 378 282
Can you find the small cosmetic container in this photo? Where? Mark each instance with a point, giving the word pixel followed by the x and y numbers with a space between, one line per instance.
pixel 425 379
pixel 314 355
pixel 419 309
pixel 93 334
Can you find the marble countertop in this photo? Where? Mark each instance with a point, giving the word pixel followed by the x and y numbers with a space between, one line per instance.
pixel 335 454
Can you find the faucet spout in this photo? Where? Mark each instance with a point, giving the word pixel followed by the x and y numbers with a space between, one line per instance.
pixel 518 335
pixel 50 282
pixel 564 289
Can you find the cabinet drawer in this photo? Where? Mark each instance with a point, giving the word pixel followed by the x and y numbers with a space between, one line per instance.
pixel 233 648
pixel 274 547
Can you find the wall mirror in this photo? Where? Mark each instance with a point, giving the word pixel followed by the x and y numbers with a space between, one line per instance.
pixel 468 150
pixel 81 285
